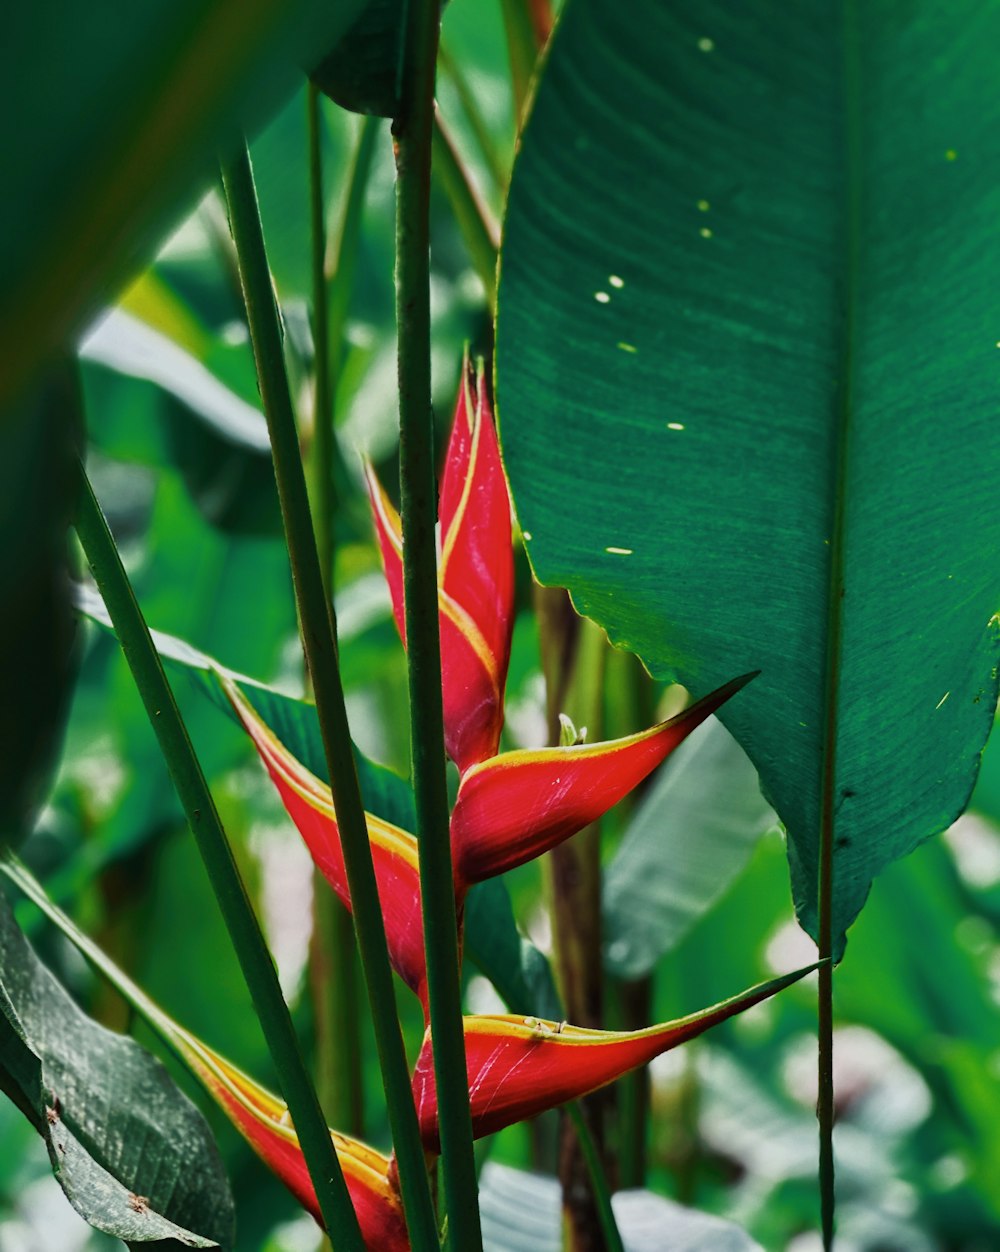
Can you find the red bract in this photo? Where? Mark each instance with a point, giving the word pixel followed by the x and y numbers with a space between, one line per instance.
pixel 518 805
pixel 309 803
pixel 475 576
pixel 519 1066
pixel 263 1121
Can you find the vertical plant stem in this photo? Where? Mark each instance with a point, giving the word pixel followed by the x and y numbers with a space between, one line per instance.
pixel 825 1104
pixel 632 1002
pixel 316 624
pixel 480 232
pixel 598 1178
pixel 241 922
pixel 333 974
pixel 321 453
pixel 412 130
pixel 573 879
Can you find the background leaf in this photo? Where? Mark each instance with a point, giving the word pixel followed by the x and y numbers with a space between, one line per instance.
pixel 115 1125
pixel 770 371
pixel 522 1212
pixel 691 836
pixel 156 92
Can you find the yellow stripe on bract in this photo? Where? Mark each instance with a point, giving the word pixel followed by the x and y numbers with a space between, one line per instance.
pixel 315 792
pixel 577 751
pixel 364 1162
pixel 384 511
pixel 456 522
pixel 474 636
pixel 268 741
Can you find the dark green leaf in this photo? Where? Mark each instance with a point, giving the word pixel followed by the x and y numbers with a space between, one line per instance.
pixel 36 625
pixel 133 1155
pixel 520 973
pixel 692 835
pixel 120 114
pixel 292 719
pixel 363 72
pixel 748 381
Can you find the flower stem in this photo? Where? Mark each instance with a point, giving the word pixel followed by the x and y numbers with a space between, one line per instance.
pixel 412 130
pixel 598 1179
pixel 316 625
pixel 333 952
pixel 321 453
pixel 241 922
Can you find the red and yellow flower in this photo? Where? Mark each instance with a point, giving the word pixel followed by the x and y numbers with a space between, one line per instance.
pixel 510 808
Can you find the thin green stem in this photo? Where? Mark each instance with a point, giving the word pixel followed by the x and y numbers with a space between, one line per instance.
pixel 316 625
pixel 473 115
pixel 333 951
pixel 321 453
pixel 598 1178
pixel 418 489
pixel 479 230
pixel 234 904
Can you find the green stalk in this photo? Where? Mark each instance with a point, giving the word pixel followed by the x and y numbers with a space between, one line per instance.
pixel 241 922
pixel 598 1178
pixel 316 625
pixel 418 490
pixel 477 124
pixel 573 886
pixel 333 952
pixel 480 232
pixel 321 453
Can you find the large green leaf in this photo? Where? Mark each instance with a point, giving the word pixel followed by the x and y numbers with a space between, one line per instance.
pixel 36 627
pixel 748 384
pixel 120 114
pixel 132 1153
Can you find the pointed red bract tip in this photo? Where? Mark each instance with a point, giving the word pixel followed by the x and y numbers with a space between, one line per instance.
pixel 264 1122
pixel 309 803
pixel 475 576
pixel 518 805
pixel 519 1066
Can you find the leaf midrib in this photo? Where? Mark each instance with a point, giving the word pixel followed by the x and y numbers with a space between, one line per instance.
pixel 843 412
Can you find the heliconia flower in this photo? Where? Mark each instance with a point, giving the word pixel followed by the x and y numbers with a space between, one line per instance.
pixel 518 805
pixel 264 1122
pixel 520 1066
pixel 475 576
pixel 510 809
pixel 309 803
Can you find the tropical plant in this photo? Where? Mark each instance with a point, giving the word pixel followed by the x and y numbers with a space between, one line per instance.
pixel 745 418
